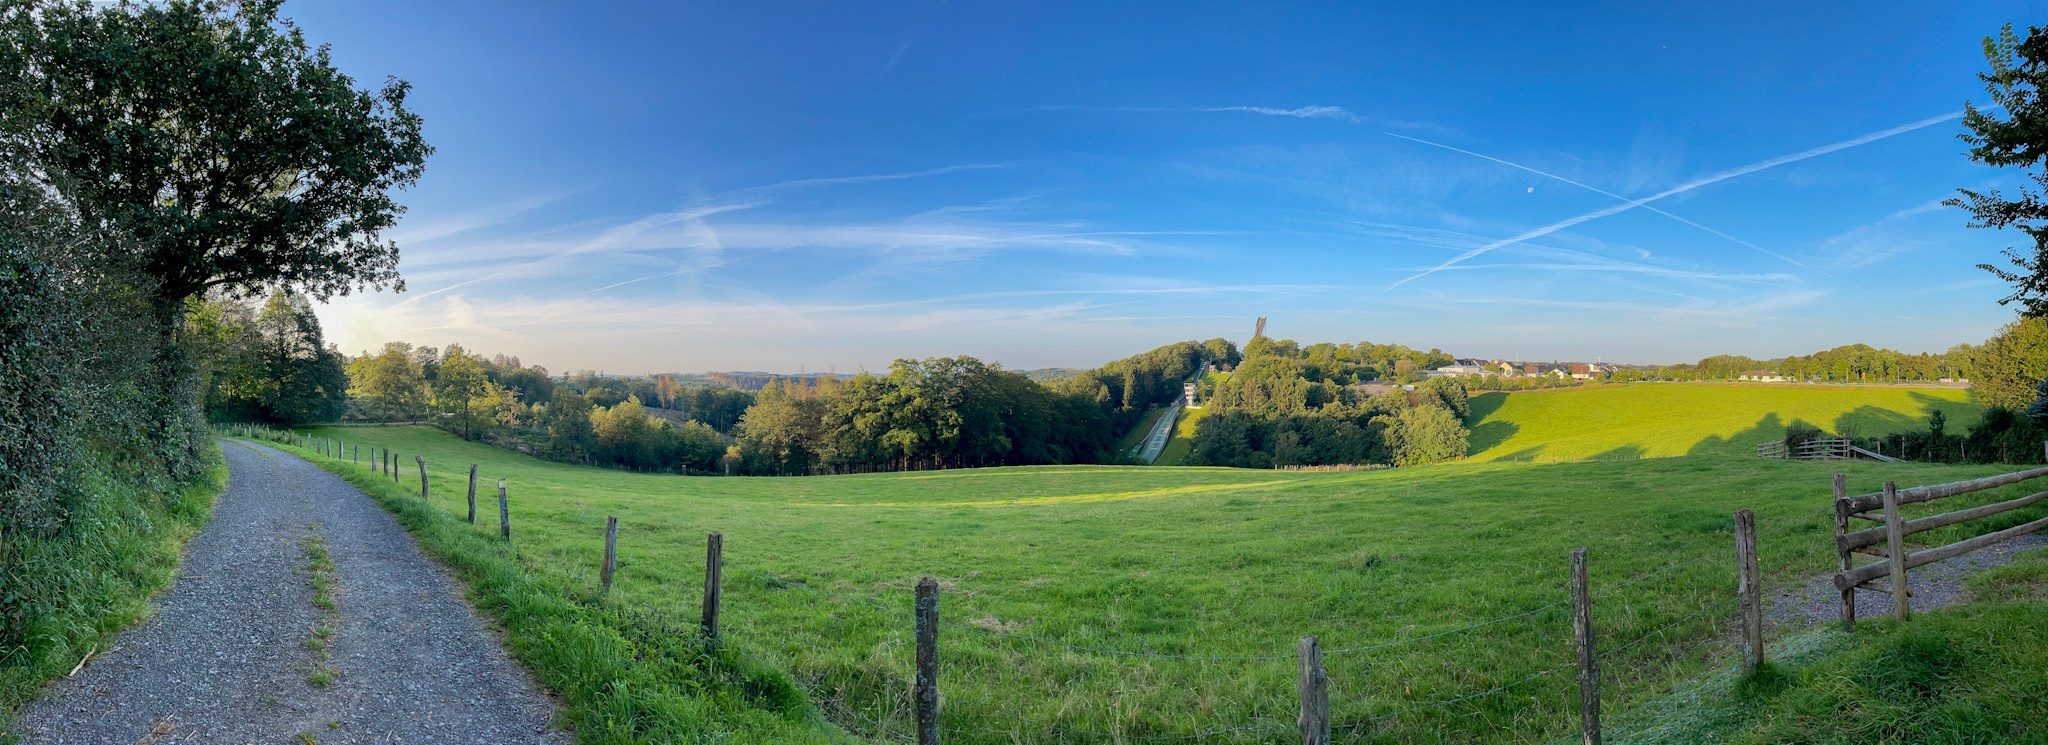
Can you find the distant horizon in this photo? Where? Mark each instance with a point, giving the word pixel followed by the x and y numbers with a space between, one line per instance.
pixel 806 370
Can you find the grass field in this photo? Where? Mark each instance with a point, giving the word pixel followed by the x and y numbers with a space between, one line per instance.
pixel 1183 440
pixel 1076 596
pixel 1653 420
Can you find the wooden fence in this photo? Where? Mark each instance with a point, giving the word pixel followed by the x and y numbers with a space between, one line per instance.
pixel 1888 541
pixel 1835 449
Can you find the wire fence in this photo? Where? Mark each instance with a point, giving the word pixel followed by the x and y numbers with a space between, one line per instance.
pixel 1711 615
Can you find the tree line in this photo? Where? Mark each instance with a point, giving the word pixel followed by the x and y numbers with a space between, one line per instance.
pixel 1289 406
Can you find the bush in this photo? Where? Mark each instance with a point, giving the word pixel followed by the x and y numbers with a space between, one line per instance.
pixel 1799 433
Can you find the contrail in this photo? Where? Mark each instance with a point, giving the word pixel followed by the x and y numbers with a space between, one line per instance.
pixel 1605 193
pixel 1681 189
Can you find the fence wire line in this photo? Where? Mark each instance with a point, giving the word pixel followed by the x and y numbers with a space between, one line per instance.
pixel 1369 721
pixel 1026 637
pixel 1705 609
pixel 1203 735
pixel 1411 640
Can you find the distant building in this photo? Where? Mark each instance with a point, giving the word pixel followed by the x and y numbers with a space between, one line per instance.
pixel 1459 370
pixel 1188 390
pixel 1761 376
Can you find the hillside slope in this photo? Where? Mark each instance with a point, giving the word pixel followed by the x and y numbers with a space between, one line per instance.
pixel 1654 420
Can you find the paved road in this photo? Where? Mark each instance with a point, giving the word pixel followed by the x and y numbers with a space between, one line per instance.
pixel 226 658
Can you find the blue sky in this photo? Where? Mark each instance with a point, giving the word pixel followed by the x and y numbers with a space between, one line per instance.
pixel 685 186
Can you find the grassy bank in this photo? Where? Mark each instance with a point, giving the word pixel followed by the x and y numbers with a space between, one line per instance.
pixel 81 586
pixel 1086 604
pixel 1183 440
pixel 624 674
pixel 1653 420
pixel 1964 674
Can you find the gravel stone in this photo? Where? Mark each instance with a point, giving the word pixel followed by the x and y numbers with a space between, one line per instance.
pixel 224 659
pixel 1932 586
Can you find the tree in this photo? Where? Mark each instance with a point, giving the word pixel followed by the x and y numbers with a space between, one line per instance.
pixel 391 382
pixel 1426 434
pixel 277 173
pixel 459 386
pixel 665 390
pixel 229 153
pixel 307 381
pixel 2012 363
pixel 570 434
pixel 2019 69
pixel 625 435
pixel 271 366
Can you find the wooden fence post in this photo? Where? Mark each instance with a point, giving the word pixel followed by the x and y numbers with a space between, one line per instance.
pixel 611 551
pixel 472 493
pixel 1589 659
pixel 394 469
pixel 423 475
pixel 714 583
pixel 1895 550
pixel 1315 693
pixel 1749 591
pixel 355 454
pixel 504 513
pixel 1842 548
pixel 927 662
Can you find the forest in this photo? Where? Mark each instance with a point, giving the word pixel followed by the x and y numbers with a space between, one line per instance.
pixel 1290 406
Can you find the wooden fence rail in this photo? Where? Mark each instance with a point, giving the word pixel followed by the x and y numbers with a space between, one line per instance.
pixel 1884 507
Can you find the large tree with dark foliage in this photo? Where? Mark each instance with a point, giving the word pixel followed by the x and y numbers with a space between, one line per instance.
pixel 225 152
pixel 238 156
pixel 2019 67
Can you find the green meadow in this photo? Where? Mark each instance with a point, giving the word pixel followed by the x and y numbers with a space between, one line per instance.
pixel 1120 604
pixel 1655 420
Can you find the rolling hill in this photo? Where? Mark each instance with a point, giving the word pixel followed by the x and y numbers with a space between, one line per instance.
pixel 1655 420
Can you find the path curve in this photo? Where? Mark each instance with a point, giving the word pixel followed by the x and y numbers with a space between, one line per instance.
pixel 226 658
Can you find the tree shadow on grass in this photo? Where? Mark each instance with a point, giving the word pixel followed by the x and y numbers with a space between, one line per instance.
pixel 1872 421
pixel 1488 435
pixel 1625 452
pixel 1961 414
pixel 1527 455
pixel 1769 428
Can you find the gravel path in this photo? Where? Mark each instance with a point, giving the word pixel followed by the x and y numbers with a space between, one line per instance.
pixel 226 658
pixel 1932 586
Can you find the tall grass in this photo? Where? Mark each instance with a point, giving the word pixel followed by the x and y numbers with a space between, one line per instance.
pixel 93 578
